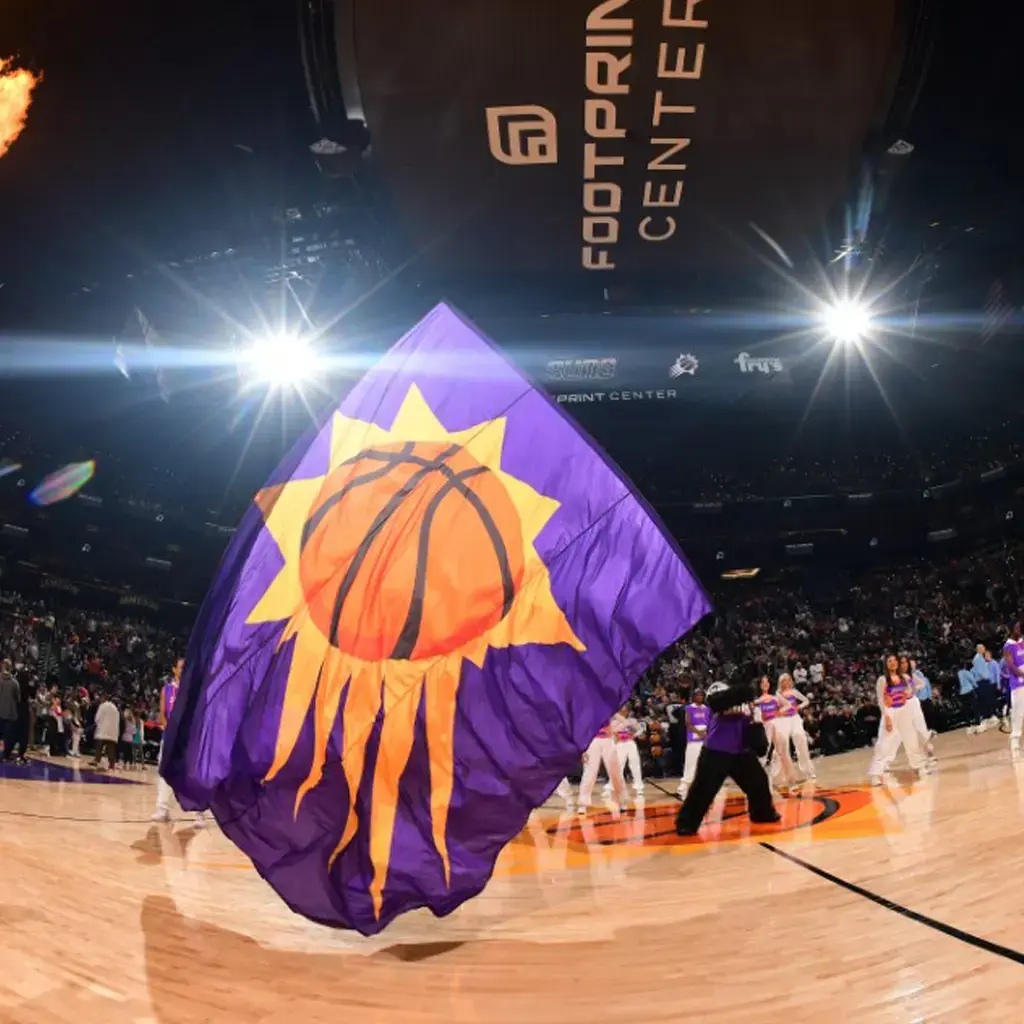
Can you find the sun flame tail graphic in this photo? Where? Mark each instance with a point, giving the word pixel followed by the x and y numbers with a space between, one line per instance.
pixel 16 87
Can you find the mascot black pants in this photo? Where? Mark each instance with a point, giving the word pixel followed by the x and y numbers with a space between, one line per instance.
pixel 713 768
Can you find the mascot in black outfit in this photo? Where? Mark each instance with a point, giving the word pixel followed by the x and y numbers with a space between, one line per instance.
pixel 731 750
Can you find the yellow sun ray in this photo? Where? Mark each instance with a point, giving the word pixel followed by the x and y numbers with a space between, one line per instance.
pixel 283 598
pixel 362 705
pixel 396 739
pixel 328 696
pixel 442 686
pixel 307 663
pixel 323 677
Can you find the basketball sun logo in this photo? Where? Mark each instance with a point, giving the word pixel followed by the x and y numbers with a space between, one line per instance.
pixel 413 553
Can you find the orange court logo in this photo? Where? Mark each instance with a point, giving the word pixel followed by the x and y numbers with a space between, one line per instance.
pixel 847 812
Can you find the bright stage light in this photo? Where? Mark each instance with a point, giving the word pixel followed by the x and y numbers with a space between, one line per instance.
pixel 282 360
pixel 847 321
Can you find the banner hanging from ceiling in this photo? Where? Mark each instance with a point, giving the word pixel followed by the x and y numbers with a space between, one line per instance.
pixel 614 140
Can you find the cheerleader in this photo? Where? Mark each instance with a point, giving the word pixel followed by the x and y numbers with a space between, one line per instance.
pixel 790 726
pixel 767 707
pixel 1013 662
pixel 628 753
pixel 564 792
pixel 602 751
pixel 897 724
pixel 918 683
pixel 697 715
pixel 168 695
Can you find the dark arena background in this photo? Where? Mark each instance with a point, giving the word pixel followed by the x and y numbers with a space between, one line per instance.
pixel 767 255
pixel 646 205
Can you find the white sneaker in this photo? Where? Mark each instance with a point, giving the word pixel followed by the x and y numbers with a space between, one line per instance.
pixel 971 730
pixel 875 780
pixel 983 726
pixel 201 820
pixel 161 816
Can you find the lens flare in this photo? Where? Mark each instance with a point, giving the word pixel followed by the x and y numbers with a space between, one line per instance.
pixel 847 321
pixel 63 484
pixel 282 360
pixel 16 86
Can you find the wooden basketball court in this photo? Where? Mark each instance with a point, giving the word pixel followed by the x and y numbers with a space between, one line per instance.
pixel 896 904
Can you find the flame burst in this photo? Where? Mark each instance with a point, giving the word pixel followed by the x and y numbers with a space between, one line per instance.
pixel 325 677
pixel 16 87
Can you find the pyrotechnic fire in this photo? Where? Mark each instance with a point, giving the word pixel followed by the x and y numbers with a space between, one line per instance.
pixel 16 87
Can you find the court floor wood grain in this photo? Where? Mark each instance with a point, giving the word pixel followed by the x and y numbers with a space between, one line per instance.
pixel 105 917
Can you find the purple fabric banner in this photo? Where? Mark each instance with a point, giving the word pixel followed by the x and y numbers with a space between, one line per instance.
pixel 423 620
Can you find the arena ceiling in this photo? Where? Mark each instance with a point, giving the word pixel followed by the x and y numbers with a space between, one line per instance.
pixel 617 142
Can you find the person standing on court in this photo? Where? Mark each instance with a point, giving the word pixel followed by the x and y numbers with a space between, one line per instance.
pixel 602 751
pixel 897 725
pixel 987 693
pixel 168 695
pixel 1013 659
pixel 698 714
pixel 107 723
pixel 628 753
pixel 10 698
pixel 728 753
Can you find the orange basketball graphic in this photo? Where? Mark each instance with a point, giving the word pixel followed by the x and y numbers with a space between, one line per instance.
pixel 409 551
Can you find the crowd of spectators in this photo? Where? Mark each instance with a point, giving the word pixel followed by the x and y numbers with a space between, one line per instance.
pixel 832 635
pixel 830 632
pixel 67 664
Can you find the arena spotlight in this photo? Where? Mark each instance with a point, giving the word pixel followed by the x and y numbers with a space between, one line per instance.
pixel 847 321
pixel 281 360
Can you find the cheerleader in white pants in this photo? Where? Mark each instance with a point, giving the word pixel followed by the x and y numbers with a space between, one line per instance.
pixel 602 751
pixel 918 682
pixel 897 725
pixel 790 725
pixel 628 753
pixel 564 791
pixel 698 715
pixel 767 708
pixel 164 793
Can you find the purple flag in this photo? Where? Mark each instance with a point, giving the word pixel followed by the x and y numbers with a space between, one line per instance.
pixel 427 614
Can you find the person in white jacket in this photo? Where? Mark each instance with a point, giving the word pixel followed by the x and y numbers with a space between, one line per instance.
pixel 107 722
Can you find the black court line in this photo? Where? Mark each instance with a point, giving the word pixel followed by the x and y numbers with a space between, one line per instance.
pixel 912 915
pixel 91 821
pixel 661 789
